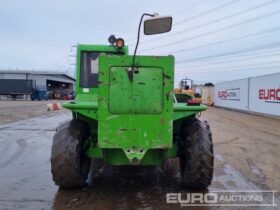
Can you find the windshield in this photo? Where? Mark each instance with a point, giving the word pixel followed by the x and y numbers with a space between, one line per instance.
pixel 89 69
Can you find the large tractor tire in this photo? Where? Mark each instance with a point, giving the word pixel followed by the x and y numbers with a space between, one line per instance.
pixel 69 163
pixel 196 154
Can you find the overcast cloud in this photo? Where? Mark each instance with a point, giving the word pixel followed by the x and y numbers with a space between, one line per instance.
pixel 212 40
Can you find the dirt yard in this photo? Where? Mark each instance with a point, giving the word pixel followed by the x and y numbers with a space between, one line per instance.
pixel 246 158
pixel 12 111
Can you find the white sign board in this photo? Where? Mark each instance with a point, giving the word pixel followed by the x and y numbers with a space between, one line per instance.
pixel 264 95
pixel 229 94
pixel 233 94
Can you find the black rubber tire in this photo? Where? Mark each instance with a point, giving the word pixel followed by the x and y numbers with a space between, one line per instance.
pixel 196 154
pixel 69 163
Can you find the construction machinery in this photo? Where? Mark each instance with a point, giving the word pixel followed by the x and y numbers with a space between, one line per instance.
pixel 126 113
pixel 185 86
pixel 186 90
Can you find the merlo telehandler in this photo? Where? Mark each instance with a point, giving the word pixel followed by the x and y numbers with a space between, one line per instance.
pixel 126 113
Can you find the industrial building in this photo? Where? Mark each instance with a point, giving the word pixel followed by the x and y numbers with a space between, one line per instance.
pixel 17 83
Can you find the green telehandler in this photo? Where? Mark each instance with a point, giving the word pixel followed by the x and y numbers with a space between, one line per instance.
pixel 126 113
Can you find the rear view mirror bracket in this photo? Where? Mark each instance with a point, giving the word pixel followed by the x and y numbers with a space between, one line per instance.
pixel 154 25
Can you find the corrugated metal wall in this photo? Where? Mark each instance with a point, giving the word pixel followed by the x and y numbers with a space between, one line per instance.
pixel 256 94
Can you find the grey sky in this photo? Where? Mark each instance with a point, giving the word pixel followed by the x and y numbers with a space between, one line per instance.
pixel 39 34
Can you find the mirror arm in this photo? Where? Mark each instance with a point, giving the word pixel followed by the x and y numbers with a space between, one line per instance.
pixel 138 37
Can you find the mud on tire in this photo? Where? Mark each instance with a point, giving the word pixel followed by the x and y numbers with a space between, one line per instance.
pixel 196 154
pixel 69 164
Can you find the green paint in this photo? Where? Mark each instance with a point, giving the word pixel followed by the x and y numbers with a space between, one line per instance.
pixel 132 115
pixel 126 97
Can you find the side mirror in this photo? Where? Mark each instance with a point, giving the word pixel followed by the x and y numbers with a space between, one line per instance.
pixel 157 25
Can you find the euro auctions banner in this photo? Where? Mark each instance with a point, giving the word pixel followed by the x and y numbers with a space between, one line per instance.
pixel 229 94
pixel 232 94
pixel 264 94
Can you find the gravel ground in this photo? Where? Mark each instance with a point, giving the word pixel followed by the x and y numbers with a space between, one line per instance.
pixel 12 111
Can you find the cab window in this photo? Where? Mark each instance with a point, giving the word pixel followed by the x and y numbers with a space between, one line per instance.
pixel 89 69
